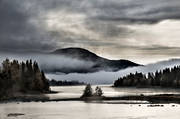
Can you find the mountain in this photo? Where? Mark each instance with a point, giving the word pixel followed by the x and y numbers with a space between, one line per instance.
pixel 98 63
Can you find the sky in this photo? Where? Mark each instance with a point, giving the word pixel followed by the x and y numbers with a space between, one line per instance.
pixel 142 31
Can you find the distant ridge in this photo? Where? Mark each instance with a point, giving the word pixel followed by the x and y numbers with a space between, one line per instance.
pixel 100 63
pixel 78 53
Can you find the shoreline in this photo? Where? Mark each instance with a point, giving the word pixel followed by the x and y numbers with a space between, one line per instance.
pixel 151 99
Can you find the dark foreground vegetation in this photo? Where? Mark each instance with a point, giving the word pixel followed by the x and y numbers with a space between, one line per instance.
pixel 165 78
pixel 89 94
pixel 23 77
pixel 65 83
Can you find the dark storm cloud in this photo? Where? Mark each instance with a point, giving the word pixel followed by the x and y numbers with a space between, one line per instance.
pixel 135 11
pixel 109 18
pixel 138 11
pixel 23 22
pixel 16 30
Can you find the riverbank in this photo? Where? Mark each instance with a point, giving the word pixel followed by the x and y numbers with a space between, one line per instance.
pixel 162 98
pixel 151 99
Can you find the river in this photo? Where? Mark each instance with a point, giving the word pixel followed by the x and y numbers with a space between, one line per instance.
pixel 92 110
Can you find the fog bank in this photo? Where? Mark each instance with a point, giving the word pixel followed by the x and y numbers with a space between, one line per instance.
pixel 109 77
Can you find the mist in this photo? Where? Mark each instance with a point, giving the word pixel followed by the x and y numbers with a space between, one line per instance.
pixel 104 77
pixel 49 62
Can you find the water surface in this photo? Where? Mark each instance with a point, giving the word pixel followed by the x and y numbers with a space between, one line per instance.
pixel 83 110
pixel 109 91
pixel 93 110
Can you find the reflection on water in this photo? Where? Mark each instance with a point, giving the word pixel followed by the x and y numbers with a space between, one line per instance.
pixel 76 91
pixel 82 110
pixel 93 110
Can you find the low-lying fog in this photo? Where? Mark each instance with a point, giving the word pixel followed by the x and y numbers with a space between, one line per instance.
pixel 109 77
pixel 47 61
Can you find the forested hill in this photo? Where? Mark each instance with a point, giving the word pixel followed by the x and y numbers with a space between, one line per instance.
pixel 99 63
pixel 21 77
pixel 169 77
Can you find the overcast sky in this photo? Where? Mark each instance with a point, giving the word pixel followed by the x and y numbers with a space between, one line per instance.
pixel 143 31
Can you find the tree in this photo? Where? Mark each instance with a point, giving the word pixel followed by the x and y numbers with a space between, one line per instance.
pixel 6 84
pixel 168 77
pixel 88 92
pixel 45 82
pixel 98 91
pixel 6 65
pixel 21 77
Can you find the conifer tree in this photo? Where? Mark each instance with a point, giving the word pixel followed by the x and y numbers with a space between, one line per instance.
pixel 88 92
pixel 21 77
pixel 98 91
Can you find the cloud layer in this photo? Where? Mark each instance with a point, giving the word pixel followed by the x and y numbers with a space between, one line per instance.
pixel 130 29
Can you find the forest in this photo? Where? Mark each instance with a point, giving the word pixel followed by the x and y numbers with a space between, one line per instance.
pixel 169 77
pixel 23 77
pixel 65 83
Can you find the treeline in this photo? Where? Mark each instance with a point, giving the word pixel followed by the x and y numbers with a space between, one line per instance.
pixel 22 77
pixel 169 77
pixel 65 83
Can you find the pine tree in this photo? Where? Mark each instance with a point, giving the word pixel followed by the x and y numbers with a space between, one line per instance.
pixel 88 92
pixel 45 81
pixel 168 77
pixel 98 91
pixel 21 77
